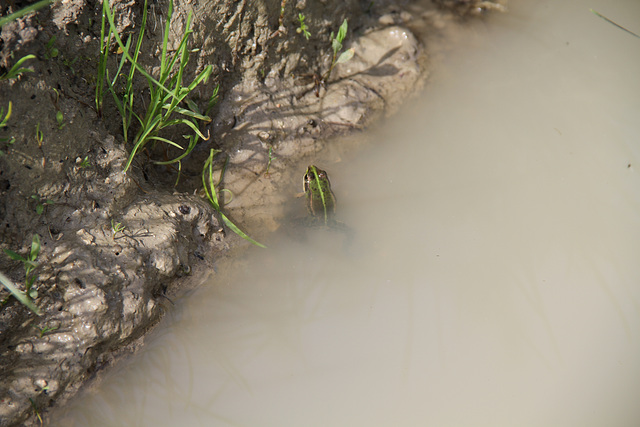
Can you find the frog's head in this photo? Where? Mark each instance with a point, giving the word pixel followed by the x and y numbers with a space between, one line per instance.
pixel 315 177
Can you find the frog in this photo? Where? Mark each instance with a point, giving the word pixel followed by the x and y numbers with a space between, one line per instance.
pixel 321 202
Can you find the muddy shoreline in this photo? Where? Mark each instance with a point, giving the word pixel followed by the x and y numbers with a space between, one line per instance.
pixel 101 289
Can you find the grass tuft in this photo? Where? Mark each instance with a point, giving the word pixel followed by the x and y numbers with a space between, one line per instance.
pixel 168 105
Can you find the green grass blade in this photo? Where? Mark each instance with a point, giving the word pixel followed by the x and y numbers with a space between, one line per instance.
pixel 149 127
pixel 202 77
pixel 19 295
pixel 141 140
pixel 191 113
pixel 182 53
pixel 168 141
pixel 136 54
pixel 123 61
pixel 239 232
pixel 14 256
pixel 4 121
pixel 116 99
pixel 128 95
pixel 192 125
pixel 165 40
pixel 192 143
pixel 142 71
pixel 193 107
pixel 102 63
pixel 120 106
pixel 210 191
pixel 345 56
pixel 15 71
pixel 24 11
pixel 613 23
pixel 35 247
pixel 213 100
pixel 208 166
pixel 342 32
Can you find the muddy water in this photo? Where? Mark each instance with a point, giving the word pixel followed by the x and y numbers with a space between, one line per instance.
pixel 494 277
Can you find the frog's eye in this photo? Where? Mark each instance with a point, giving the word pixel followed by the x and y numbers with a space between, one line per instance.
pixel 311 176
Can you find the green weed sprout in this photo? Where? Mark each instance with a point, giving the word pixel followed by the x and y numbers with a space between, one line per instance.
pixel 40 204
pixel 3 124
pixel 60 119
pixel 15 71
pixel 283 4
pixel 39 135
pixel 51 50
pixel 210 190
pixel 117 227
pixel 24 11
pixel 46 329
pixel 271 157
pixel 4 121
pixel 303 29
pixel 85 162
pixel 29 294
pixel 34 406
pixel 167 92
pixel 336 45
pixel 70 63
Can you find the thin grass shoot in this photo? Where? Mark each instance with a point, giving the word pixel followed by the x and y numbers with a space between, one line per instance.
pixel 15 71
pixel 6 118
pixel 210 191
pixel 19 14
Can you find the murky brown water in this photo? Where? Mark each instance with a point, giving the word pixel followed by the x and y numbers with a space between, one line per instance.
pixel 494 279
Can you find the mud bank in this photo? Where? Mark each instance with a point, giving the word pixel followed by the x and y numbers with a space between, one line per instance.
pixel 100 287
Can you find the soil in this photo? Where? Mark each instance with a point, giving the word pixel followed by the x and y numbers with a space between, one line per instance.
pixel 118 246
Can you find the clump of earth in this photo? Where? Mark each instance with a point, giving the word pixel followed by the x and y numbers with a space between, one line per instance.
pixel 117 247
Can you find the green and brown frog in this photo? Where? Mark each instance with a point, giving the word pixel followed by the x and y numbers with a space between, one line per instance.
pixel 320 201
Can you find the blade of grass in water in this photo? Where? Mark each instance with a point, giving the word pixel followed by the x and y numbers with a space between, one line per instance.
pixel 613 23
pixel 210 191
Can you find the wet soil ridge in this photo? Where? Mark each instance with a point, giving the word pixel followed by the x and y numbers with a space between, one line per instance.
pixel 116 246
